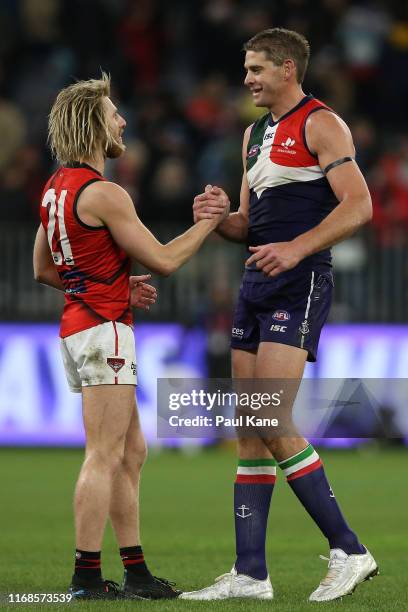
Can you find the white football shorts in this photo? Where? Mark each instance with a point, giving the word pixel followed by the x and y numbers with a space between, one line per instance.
pixel 101 355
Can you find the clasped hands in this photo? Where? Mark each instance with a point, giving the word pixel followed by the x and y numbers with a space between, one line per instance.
pixel 272 258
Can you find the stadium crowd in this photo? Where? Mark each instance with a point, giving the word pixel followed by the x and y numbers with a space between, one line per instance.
pixel 177 71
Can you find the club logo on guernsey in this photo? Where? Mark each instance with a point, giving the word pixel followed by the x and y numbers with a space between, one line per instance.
pixel 287 144
pixel 254 150
pixel 116 363
pixel 281 315
pixel 304 328
pixel 243 513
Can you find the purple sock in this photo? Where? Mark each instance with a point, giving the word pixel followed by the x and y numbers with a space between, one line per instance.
pixel 306 477
pixel 252 497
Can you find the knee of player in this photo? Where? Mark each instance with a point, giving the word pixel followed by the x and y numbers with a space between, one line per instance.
pixel 135 456
pixel 273 445
pixel 109 457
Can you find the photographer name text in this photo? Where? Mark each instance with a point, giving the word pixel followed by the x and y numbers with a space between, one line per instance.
pixel 221 421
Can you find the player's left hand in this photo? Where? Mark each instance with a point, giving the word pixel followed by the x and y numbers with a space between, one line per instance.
pixel 142 295
pixel 274 258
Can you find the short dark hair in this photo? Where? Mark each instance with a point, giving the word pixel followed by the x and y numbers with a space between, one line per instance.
pixel 279 45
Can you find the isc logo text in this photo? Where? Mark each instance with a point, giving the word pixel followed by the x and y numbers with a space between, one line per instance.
pixel 278 328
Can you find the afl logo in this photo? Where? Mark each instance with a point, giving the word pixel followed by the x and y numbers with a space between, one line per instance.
pixel 254 150
pixel 281 315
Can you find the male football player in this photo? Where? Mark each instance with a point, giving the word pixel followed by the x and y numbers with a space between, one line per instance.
pixel 301 193
pixel 89 233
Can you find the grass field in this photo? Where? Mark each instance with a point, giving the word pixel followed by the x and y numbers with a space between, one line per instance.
pixel 187 528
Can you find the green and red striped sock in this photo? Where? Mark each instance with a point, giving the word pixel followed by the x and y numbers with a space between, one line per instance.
pixel 301 464
pixel 252 497
pixel 260 471
pixel 306 477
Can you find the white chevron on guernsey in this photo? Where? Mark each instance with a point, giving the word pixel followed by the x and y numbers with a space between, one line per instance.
pixel 265 173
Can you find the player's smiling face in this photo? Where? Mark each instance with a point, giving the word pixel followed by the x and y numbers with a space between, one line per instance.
pixel 116 125
pixel 263 78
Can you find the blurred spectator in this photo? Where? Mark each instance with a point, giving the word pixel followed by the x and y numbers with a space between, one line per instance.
pixel 394 66
pixel 362 32
pixel 206 108
pixel 142 41
pixel 12 130
pixel 39 20
pixel 87 30
pixel 328 79
pixel 365 141
pixel 389 189
pixel 214 47
pixel 129 169
pixel 171 193
pixel 15 205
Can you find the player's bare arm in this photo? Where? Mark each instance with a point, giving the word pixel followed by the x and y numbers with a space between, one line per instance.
pixel 206 205
pixel 330 139
pixel 109 204
pixel 45 271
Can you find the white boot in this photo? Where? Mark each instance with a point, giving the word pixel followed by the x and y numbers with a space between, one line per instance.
pixel 233 585
pixel 345 573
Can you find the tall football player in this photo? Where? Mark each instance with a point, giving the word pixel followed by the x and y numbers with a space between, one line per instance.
pixel 302 192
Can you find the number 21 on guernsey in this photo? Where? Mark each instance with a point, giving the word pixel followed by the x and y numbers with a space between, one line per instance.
pixel 56 231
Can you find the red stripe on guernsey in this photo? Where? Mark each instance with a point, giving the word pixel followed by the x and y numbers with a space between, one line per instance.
pixel 256 478
pixel 288 146
pixel 306 470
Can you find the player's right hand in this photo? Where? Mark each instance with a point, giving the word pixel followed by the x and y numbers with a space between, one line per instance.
pixel 211 204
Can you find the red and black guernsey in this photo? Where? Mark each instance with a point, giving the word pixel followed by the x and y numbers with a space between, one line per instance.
pixel 93 268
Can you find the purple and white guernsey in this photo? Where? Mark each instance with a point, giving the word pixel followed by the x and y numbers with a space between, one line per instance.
pixel 289 193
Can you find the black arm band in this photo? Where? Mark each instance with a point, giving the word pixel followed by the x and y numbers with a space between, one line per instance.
pixel 338 162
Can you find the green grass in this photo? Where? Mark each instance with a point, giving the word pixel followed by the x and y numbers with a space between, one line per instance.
pixel 187 528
